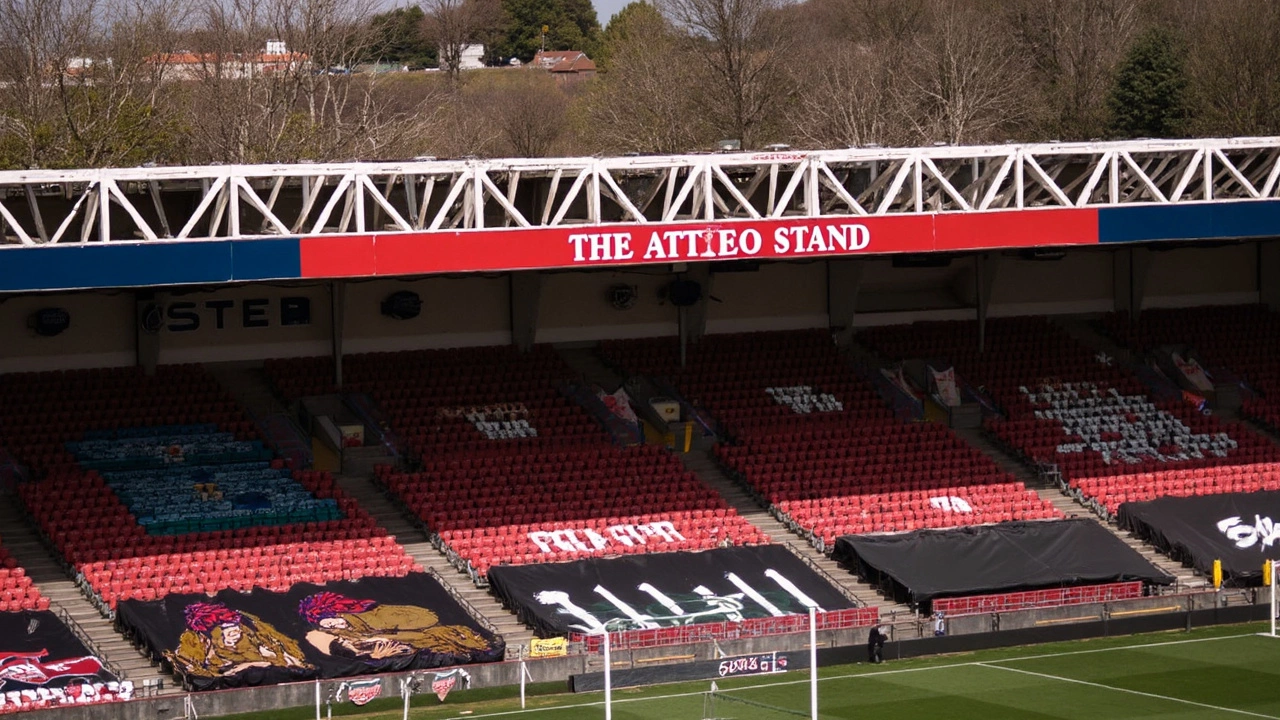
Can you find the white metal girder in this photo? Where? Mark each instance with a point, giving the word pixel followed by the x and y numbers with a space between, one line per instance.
pixel 219 202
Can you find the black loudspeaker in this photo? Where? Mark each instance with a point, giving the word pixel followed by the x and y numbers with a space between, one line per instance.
pixel 402 305
pixel 622 297
pixel 684 293
pixel 48 322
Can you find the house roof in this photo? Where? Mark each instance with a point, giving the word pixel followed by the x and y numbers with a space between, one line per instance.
pixel 563 61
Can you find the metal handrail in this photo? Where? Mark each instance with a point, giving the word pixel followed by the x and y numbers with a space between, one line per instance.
pixel 831 579
pixel 83 636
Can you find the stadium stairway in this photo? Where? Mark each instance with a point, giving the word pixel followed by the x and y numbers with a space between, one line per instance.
pixel 585 360
pixel 247 383
pixel 24 544
pixel 707 470
pixel 408 534
pixel 1187 578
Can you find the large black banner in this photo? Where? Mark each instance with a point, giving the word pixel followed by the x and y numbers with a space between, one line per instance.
pixel 1238 528
pixel 660 590
pixel 336 630
pixel 38 653
pixel 1007 557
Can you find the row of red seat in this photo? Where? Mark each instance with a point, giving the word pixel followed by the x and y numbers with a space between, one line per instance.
pixel 512 470
pixel 1055 391
pixel 1215 333
pixel 812 437
pixel 112 555
pixel 17 592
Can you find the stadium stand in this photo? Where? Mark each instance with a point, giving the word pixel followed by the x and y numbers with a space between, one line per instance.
pixel 17 592
pixel 810 435
pixel 1071 406
pixel 148 485
pixel 1215 334
pixel 512 471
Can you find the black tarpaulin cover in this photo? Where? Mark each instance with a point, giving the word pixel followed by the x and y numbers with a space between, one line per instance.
pixel 339 629
pixel 38 651
pixel 1237 528
pixel 1007 557
pixel 662 589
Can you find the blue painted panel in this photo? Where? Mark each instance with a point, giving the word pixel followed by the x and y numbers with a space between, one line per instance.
pixel 266 259
pixel 1203 221
pixel 1247 219
pixel 1158 222
pixel 115 265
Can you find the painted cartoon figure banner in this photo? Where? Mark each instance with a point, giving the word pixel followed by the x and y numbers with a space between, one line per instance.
pixel 1240 529
pixel 339 629
pixel 643 592
pixel 42 664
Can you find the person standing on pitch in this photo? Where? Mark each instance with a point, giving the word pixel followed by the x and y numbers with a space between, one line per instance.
pixel 875 645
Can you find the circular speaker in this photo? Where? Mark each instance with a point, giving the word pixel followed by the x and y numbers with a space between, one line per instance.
pixel 622 297
pixel 402 305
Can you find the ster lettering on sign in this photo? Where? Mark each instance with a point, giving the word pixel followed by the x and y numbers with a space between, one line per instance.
pixel 720 243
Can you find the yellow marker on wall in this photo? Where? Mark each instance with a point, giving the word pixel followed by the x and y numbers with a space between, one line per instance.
pixel 1217 573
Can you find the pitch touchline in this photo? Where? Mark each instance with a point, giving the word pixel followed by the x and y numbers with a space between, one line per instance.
pixel 895 671
pixel 1046 676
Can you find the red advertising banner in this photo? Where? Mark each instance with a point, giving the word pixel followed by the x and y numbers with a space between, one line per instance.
pixel 633 244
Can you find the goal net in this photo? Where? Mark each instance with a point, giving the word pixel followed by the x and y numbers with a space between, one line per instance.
pixel 720 704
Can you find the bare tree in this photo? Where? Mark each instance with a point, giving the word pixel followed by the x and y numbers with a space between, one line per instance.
pixel 745 45
pixel 962 83
pixel 648 101
pixel 1232 65
pixel 301 101
pixel 1073 47
pixel 454 24
pixel 847 99
pixel 76 84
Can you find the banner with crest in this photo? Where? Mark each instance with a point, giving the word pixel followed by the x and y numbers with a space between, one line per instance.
pixel 340 629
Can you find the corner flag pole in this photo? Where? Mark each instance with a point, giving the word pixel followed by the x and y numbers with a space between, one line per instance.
pixel 608 679
pixel 813 663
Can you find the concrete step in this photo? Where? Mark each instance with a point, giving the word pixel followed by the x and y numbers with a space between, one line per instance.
pixel 708 470
pixel 582 358
pixel 408 534
pixel 20 538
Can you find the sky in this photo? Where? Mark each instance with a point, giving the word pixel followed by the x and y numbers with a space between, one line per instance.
pixel 606 8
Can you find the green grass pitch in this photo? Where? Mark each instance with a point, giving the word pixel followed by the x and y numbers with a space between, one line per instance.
pixel 1223 672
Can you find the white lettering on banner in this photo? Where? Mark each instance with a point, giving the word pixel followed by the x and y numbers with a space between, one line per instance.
pixel 661 531
pixel 803 400
pixel 700 606
pixel 950 503
pixel 1128 428
pixel 714 243
pixel 1263 532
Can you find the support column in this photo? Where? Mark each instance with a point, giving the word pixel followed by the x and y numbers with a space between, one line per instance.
pixel 526 295
pixel 338 307
pixel 985 267
pixel 696 314
pixel 1130 267
pixel 1269 273
pixel 844 280
pixel 148 317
